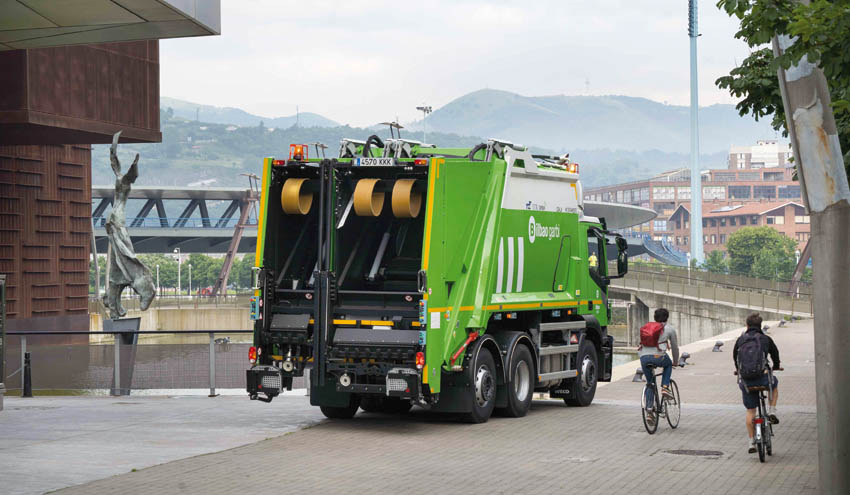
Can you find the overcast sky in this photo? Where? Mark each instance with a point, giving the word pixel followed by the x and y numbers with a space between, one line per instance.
pixel 362 62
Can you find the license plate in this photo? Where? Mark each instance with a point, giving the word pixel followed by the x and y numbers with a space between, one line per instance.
pixel 375 162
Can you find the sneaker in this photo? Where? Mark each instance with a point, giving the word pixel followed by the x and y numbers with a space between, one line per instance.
pixel 650 417
pixel 752 445
pixel 667 393
pixel 771 415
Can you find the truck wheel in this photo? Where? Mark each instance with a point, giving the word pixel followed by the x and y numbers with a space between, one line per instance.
pixel 521 388
pixel 372 404
pixel 583 388
pixel 483 387
pixel 346 412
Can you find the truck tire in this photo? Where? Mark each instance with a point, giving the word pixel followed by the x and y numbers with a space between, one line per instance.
pixel 482 387
pixel 583 388
pixel 372 404
pixel 521 388
pixel 347 412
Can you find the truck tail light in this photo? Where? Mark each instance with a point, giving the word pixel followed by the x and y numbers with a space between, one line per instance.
pixel 420 359
pixel 420 161
pixel 298 151
pixel 252 355
pixel 278 163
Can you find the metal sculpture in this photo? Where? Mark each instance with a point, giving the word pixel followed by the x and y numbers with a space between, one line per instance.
pixel 125 269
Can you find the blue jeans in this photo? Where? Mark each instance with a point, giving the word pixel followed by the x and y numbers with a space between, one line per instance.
pixel 662 361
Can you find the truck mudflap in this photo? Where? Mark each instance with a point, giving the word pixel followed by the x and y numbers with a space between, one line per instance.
pixel 266 380
pixel 607 358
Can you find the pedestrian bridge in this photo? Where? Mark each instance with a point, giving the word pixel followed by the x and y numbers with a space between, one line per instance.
pixel 194 220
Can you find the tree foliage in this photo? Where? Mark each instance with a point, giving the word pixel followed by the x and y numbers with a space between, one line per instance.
pixel 761 252
pixel 822 31
pixel 715 262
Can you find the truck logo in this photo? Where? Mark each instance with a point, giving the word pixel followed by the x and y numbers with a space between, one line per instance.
pixel 536 230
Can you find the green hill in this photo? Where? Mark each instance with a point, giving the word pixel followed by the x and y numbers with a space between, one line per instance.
pixel 236 116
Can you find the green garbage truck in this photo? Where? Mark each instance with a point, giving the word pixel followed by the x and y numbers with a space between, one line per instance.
pixel 459 280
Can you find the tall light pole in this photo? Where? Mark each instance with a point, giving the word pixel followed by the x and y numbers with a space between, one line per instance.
pixel 190 279
pixel 179 289
pixel 425 111
pixel 696 178
pixel 158 287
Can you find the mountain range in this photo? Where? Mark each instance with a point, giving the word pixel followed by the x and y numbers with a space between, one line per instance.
pixel 236 116
pixel 563 122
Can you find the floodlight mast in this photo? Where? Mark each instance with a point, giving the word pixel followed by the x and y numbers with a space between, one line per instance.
pixel 696 178
pixel 425 111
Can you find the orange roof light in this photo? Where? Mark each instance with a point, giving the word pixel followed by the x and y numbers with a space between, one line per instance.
pixel 298 151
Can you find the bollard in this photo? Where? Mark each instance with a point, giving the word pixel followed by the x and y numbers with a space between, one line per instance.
pixel 212 365
pixel 27 375
pixel 638 375
pixel 683 359
pixel 717 346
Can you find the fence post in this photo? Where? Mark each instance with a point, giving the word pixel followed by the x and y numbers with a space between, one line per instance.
pixel 212 365
pixel 23 359
pixel 116 390
pixel 27 392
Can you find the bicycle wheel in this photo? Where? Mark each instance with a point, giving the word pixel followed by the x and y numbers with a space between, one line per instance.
pixel 760 444
pixel 673 407
pixel 646 424
pixel 769 438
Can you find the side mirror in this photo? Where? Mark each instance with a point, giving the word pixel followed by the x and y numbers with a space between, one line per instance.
pixel 622 257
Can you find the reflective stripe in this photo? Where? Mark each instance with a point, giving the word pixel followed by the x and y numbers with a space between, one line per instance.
pixel 500 262
pixel 520 263
pixel 509 288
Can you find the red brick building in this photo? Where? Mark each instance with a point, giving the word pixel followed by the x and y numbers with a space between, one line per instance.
pixel 789 218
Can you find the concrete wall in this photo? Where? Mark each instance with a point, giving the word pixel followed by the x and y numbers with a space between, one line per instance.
pixel 693 320
pixel 186 319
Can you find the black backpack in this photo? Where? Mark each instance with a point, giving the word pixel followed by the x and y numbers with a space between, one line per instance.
pixel 751 356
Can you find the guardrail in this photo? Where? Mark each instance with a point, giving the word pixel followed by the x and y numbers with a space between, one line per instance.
pixel 665 283
pixel 86 366
pixel 706 278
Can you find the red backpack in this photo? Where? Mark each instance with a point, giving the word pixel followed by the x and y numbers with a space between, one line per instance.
pixel 650 333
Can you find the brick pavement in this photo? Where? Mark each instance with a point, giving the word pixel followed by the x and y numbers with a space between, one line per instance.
pixel 599 449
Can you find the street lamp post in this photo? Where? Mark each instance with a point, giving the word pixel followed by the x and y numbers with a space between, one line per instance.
pixel 158 287
pixel 190 279
pixel 179 287
pixel 425 111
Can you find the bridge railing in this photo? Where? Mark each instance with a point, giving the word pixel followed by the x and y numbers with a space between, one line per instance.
pixel 775 300
pixel 132 303
pixel 177 222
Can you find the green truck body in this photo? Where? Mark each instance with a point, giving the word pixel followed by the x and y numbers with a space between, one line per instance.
pixel 471 286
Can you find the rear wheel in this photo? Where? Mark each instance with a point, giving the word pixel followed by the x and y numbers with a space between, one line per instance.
pixel 649 422
pixel 760 433
pixel 483 387
pixel 521 388
pixel 769 439
pixel 346 412
pixel 583 388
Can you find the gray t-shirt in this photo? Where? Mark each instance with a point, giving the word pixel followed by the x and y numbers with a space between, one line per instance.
pixel 666 341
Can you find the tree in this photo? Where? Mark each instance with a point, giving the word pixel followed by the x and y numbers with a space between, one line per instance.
pixel 761 252
pixel 822 31
pixel 716 262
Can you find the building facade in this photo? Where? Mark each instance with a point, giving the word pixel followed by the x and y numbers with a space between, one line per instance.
pixel 760 174
pixel 788 218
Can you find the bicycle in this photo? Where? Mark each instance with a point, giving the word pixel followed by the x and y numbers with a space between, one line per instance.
pixel 668 407
pixel 761 423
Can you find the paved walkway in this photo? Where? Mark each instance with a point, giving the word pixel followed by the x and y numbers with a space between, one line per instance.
pixel 599 449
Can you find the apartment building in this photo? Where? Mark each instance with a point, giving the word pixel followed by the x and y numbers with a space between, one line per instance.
pixel 758 174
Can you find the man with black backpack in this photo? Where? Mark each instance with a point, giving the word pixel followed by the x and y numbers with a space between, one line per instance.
pixel 656 337
pixel 750 357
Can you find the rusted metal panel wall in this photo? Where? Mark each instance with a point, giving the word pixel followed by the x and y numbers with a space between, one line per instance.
pixel 80 94
pixel 45 229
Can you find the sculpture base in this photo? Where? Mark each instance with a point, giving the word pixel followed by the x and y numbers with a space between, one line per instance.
pixel 125 349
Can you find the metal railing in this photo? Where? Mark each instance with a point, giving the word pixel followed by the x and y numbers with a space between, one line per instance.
pixel 179 222
pixel 774 300
pixel 86 366
pixel 178 301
